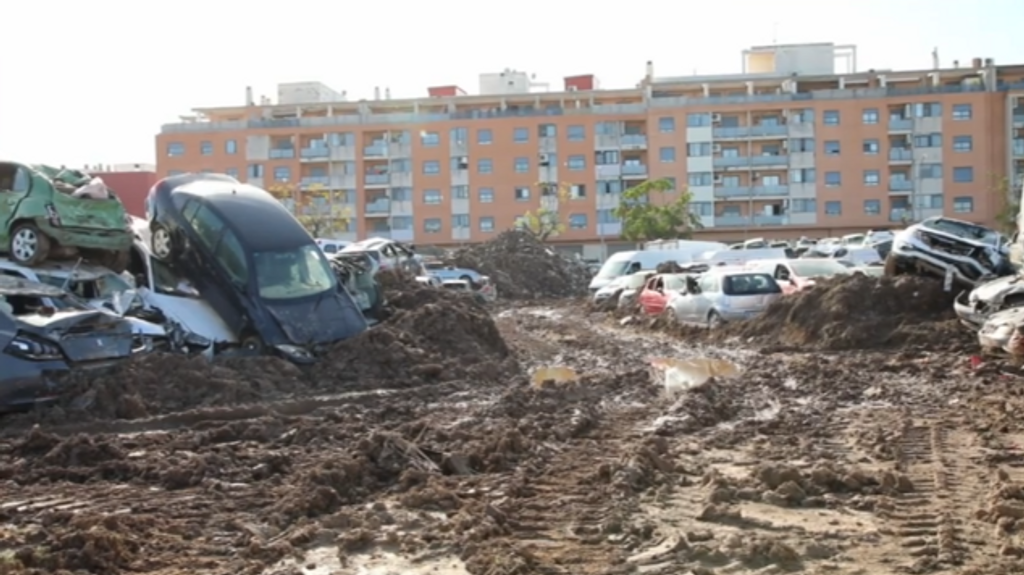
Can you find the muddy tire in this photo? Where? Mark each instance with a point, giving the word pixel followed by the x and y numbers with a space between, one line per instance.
pixel 892 267
pixel 28 246
pixel 251 343
pixel 115 261
pixel 714 320
pixel 161 242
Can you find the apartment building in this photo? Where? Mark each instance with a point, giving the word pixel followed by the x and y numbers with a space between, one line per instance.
pixel 793 146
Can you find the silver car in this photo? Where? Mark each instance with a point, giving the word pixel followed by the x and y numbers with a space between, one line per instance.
pixel 721 296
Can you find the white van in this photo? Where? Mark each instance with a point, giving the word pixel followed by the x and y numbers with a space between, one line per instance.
pixel 625 263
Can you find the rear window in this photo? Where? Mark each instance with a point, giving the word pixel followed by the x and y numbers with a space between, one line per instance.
pixel 749 284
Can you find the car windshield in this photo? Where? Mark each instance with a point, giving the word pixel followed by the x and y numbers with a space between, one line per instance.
pixel 291 274
pixel 817 269
pixel 749 284
pixel 674 282
pixel 612 269
pixel 636 281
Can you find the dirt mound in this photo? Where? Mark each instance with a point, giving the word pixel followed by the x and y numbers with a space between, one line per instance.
pixel 854 312
pixel 522 267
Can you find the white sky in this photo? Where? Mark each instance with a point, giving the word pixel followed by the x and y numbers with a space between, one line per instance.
pixel 113 73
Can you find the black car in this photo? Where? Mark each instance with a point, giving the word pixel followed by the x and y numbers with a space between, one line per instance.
pixel 40 343
pixel 253 262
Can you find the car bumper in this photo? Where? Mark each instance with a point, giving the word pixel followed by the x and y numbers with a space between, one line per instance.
pixel 966 312
pixel 25 383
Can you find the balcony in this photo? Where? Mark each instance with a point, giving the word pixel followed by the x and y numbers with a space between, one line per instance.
pixel 634 171
pixel 767 220
pixel 399 150
pixel 282 153
pixel 901 215
pixel 764 160
pixel 609 229
pixel 1018 148
pixel 732 161
pixel 732 221
pixel 750 191
pixel 776 190
pixel 901 155
pixel 401 179
pixel 750 132
pixel 1018 117
pixel 633 142
pixel 378 207
pixel 769 160
pixel 311 181
pixel 901 186
pixel 375 151
pixel 314 153
pixel 343 153
pixel 460 177
pixel 901 124
pixel 608 171
pixel 768 131
pixel 376 179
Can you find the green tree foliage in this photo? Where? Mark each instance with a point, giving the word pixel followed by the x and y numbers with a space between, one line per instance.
pixel 646 216
pixel 1007 205
pixel 544 222
pixel 313 208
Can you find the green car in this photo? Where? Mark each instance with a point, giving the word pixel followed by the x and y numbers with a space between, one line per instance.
pixel 40 219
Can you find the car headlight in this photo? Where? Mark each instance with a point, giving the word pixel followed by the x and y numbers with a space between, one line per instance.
pixel 294 352
pixel 28 347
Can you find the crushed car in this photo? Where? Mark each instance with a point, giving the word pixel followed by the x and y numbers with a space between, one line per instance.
pixel 39 342
pixel 277 292
pixel 1003 332
pixel 964 253
pixel 60 213
pixel 390 255
pixel 356 272
pixel 974 307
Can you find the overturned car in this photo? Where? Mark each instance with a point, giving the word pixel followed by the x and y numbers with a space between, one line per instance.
pixel 961 252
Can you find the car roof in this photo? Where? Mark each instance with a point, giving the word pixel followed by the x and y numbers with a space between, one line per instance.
pixel 82 272
pixel 250 212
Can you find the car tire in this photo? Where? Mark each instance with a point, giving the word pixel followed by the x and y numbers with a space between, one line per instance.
pixel 251 343
pixel 28 246
pixel 161 242
pixel 893 267
pixel 714 320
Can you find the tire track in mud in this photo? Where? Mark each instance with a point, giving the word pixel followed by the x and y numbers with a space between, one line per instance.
pixel 926 521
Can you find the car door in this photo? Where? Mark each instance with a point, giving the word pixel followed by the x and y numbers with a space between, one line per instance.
pixel 209 274
pixel 649 293
pixel 683 303
pixel 786 278
pixel 704 300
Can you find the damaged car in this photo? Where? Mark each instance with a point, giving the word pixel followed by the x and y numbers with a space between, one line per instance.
pixel 40 342
pixel 962 252
pixel 390 255
pixel 356 272
pixel 1003 332
pixel 974 307
pixel 276 291
pixel 49 212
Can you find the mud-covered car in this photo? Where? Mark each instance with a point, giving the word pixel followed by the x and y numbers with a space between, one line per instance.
pixel 974 307
pixel 967 253
pixel 51 212
pixel 248 256
pixel 38 342
pixel 1003 332
pixel 356 272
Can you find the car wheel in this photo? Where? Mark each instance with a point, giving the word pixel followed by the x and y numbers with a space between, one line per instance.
pixel 714 320
pixel 892 266
pixel 465 278
pixel 251 343
pixel 161 242
pixel 29 246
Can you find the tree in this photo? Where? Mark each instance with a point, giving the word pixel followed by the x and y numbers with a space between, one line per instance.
pixel 545 222
pixel 644 219
pixel 313 208
pixel 1007 202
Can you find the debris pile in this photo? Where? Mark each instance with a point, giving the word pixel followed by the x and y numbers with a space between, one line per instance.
pixel 853 312
pixel 522 267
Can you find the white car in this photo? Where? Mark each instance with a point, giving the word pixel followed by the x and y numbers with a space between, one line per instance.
pixel 720 296
pixel 961 251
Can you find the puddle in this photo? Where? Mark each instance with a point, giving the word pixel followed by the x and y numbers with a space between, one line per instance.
pixel 325 561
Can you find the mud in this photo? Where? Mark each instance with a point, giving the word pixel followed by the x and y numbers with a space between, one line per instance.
pixel 522 267
pixel 905 461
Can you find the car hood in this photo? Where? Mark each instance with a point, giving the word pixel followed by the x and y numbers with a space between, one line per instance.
pixel 83 335
pixel 998 289
pixel 330 317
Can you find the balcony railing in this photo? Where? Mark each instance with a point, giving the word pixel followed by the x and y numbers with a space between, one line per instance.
pixel 900 155
pixel 732 221
pixel 315 181
pixel 776 190
pixel 634 170
pixel 311 153
pixel 751 132
pixel 375 151
pixel 901 186
pixel 377 179
pixel 900 215
pixel 379 206
pixel 282 153
pixel 633 141
pixel 900 124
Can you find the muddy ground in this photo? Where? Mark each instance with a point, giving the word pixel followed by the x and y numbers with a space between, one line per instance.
pixel 881 460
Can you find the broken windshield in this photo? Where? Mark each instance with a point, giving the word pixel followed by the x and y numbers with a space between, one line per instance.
pixel 102 287
pixel 291 274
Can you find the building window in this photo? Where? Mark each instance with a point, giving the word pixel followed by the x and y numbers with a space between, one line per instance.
pixel 871 147
pixel 577 163
pixel 872 207
pixel 963 204
pixel 803 206
pixel 484 136
pixel 609 186
pixel 962 111
pixel 233 172
pixel 484 166
pixel 430 139
pixel 928 141
pixel 963 143
pixel 522 194
pixel 282 173
pixel 230 147
pixel 871 177
pixel 667 155
pixel 255 170
pixel 576 133
pixel 834 208
pixel 698 149
pixel 460 192
pixel 175 149
pixel 522 165
pixel 869 116
pixel 666 125
pixel 432 225
pixel 460 221
pixel 833 179
pixel 485 195
pixel 702 209
pixel 486 224
pixel 698 120
pixel 431 196
pixel 431 167
pixel 963 175
pixel 578 221
pixel 830 117
pixel 206 148
pixel 832 148
pixel 699 179
pixel 521 135
pixel 459 135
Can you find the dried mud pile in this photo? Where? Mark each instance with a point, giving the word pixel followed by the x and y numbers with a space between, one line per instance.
pixel 858 312
pixel 430 336
pixel 522 267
